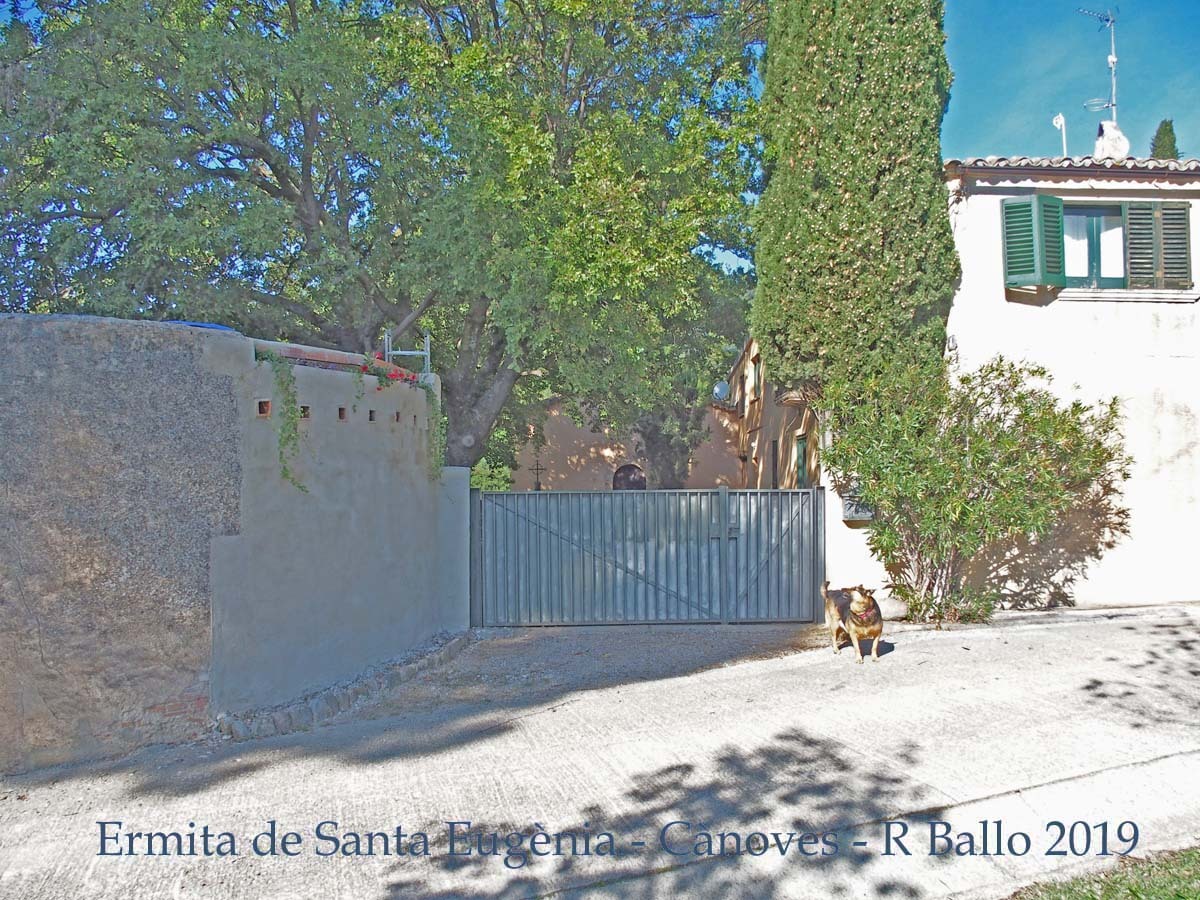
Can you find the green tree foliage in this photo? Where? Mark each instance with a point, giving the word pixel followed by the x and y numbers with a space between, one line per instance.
pixel 856 262
pixel 1163 145
pixel 529 181
pixel 974 476
pixel 489 476
pixel 694 352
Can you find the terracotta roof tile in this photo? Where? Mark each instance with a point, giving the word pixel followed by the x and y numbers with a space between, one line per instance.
pixel 1076 163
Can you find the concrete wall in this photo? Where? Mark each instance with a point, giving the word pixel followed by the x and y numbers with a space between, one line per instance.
pixel 317 586
pixel 155 569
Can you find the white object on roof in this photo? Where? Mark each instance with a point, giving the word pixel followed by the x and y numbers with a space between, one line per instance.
pixel 1111 142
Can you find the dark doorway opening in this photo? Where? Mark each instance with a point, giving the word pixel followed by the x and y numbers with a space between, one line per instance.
pixel 629 477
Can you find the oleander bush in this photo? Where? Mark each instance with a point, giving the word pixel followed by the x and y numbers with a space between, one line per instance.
pixel 976 477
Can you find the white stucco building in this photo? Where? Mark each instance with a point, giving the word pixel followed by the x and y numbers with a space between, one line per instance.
pixel 1087 267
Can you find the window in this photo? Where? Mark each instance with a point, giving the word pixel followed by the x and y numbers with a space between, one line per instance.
pixel 1094 246
pixel 1122 245
pixel 1158 245
pixel 752 383
pixel 800 458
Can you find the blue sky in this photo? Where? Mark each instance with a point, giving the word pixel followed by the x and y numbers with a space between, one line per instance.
pixel 1018 63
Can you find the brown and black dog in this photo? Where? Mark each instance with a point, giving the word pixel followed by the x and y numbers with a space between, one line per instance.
pixel 854 613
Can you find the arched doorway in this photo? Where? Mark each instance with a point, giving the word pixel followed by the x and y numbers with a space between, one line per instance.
pixel 629 477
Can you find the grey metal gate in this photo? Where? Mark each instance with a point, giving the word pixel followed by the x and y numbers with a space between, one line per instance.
pixel 625 557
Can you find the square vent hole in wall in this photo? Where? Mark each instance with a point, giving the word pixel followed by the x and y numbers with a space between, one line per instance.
pixel 264 409
pixel 370 415
pixel 305 412
pixel 341 414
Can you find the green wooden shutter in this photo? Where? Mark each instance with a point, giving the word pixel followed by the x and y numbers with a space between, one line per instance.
pixel 1033 242
pixel 1158 245
pixel 1176 255
pixel 1141 245
pixel 1054 255
pixel 1020 244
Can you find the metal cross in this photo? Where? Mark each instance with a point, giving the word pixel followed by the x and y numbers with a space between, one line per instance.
pixel 537 469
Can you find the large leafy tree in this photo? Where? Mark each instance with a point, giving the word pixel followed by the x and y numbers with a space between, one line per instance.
pixel 856 262
pixel 695 352
pixel 529 181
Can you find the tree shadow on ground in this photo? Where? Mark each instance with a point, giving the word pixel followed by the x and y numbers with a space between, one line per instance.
pixel 495 682
pixel 1172 697
pixel 795 782
pixel 1031 572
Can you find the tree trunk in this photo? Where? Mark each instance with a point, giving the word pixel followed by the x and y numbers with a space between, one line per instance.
pixel 477 389
pixel 471 410
pixel 667 460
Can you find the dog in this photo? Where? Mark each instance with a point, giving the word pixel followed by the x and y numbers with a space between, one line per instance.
pixel 854 613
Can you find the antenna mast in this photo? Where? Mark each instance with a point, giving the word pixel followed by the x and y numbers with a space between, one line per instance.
pixel 1060 123
pixel 1109 21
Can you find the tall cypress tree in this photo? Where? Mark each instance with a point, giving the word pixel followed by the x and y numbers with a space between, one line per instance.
pixel 1163 146
pixel 856 261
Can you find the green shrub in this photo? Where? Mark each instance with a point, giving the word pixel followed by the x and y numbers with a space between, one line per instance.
pixel 489 476
pixel 964 467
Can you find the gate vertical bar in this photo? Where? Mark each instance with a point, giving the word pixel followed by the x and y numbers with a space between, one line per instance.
pixel 476 551
pixel 723 553
pixel 818 542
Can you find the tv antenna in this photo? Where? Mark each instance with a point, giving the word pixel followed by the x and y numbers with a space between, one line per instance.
pixel 1060 122
pixel 1109 21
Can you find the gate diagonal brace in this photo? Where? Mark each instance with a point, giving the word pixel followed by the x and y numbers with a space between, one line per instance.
pixel 610 562
pixel 766 558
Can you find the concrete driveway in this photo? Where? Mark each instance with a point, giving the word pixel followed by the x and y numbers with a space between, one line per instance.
pixel 1067 716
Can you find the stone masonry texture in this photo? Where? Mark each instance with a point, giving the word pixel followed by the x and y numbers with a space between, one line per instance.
pixel 157 573
pixel 118 465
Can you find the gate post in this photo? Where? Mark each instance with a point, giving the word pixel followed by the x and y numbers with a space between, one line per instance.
pixel 475 557
pixel 723 553
pixel 818 541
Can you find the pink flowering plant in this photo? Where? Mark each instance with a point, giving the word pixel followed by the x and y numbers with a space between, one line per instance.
pixel 385 373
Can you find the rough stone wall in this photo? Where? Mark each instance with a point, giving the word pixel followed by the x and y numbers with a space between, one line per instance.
pixel 156 570
pixel 118 465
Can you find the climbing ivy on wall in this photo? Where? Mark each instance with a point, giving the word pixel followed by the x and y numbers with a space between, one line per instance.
pixel 856 261
pixel 285 409
pixel 437 431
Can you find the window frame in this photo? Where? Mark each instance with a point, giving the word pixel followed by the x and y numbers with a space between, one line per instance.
pixel 1157 253
pixel 799 464
pixel 1095 213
